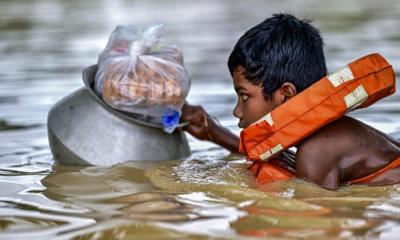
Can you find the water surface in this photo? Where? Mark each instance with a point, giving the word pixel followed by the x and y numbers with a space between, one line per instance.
pixel 44 47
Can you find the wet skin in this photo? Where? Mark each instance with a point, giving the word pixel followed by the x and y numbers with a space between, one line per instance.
pixel 341 151
pixel 345 150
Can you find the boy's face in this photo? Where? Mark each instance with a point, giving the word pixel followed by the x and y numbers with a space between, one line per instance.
pixel 251 104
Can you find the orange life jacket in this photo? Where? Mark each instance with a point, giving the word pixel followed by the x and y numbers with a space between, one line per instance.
pixel 358 85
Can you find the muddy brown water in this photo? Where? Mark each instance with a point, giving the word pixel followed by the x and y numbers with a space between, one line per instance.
pixel 45 45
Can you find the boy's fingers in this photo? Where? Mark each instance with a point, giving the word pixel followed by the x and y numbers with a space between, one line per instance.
pixel 181 126
pixel 186 106
pixel 194 130
pixel 195 118
pixel 191 129
pixel 190 109
pixel 186 118
pixel 194 115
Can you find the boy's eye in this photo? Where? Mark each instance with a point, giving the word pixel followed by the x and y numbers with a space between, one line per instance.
pixel 244 97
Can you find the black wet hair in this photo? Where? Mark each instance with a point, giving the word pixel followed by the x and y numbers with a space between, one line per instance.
pixel 280 49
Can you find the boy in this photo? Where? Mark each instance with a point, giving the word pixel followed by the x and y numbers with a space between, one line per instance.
pixel 273 62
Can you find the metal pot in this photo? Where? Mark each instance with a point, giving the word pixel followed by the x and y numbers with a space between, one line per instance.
pixel 83 130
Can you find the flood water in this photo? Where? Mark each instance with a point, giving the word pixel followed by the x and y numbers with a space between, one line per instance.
pixel 45 45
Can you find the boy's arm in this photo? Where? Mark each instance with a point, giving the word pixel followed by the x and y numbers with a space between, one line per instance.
pixel 329 180
pixel 203 127
pixel 315 160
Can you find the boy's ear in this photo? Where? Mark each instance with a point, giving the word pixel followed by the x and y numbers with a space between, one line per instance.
pixel 285 92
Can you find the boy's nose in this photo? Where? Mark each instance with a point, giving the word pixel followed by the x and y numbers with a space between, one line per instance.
pixel 237 112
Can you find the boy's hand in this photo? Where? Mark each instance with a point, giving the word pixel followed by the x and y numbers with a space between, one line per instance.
pixel 200 124
pixel 203 127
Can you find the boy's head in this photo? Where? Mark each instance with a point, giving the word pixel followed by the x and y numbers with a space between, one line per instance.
pixel 272 62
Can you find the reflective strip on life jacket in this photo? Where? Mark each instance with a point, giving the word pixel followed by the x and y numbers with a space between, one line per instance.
pixel 358 85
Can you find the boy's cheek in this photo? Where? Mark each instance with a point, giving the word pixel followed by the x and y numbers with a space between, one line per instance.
pixel 254 114
pixel 248 118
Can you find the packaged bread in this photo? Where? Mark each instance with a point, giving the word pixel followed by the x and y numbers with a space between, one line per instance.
pixel 148 79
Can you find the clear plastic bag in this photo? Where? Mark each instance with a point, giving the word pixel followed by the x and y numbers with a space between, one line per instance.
pixel 141 75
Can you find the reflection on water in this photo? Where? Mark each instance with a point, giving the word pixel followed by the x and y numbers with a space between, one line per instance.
pixel 44 47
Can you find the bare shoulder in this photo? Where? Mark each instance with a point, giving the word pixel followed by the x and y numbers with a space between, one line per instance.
pixel 335 152
pixel 317 157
